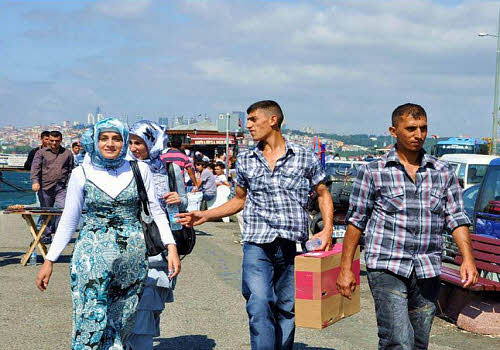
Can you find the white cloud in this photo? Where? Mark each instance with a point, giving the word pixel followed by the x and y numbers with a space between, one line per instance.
pixel 328 63
pixel 122 8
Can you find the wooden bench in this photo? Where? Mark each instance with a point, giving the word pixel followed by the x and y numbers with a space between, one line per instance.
pixel 486 252
pixel 465 305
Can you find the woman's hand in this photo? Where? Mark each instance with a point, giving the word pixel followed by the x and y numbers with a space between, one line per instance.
pixel 172 198
pixel 43 276
pixel 174 262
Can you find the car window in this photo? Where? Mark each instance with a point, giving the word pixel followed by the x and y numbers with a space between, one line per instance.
pixel 476 173
pixel 461 171
pixel 470 196
pixel 489 198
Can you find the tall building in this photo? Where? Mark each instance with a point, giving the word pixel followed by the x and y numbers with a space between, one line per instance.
pixel 240 118
pixel 179 120
pixel 236 123
pixel 90 119
pixel 99 117
pixel 163 121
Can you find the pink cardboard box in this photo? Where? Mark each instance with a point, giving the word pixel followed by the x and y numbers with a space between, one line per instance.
pixel 318 303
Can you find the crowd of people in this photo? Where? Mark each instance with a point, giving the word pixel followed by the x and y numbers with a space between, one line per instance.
pixel 401 202
pixel 118 295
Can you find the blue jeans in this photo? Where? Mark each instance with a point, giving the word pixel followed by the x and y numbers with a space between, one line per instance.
pixel 405 309
pixel 268 287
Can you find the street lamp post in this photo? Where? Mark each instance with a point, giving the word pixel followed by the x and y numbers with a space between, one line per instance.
pixel 495 98
pixel 228 116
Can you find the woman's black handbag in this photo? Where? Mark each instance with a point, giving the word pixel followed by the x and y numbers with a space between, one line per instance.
pixel 185 238
pixel 154 244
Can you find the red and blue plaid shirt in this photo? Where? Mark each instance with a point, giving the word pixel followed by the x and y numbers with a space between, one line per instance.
pixel 404 220
pixel 276 198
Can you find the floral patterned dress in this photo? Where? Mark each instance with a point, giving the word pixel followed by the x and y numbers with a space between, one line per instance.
pixel 108 269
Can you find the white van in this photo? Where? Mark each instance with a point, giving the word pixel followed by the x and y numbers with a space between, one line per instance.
pixel 470 168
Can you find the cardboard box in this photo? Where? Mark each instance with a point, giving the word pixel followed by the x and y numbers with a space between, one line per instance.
pixel 318 303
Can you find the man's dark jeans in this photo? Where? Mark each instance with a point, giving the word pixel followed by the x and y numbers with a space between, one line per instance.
pixel 268 287
pixel 405 309
pixel 53 197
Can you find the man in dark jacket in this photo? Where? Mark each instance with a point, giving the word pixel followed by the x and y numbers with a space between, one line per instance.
pixel 50 174
pixel 44 137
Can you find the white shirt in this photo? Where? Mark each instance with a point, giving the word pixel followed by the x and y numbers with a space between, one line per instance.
pixel 220 179
pixel 113 183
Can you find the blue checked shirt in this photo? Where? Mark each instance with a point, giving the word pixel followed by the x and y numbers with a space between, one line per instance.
pixel 403 221
pixel 276 199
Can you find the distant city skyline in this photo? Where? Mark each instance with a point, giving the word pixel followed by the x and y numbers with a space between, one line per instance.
pixel 338 66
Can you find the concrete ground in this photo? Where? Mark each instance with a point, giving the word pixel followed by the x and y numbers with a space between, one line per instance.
pixel 208 312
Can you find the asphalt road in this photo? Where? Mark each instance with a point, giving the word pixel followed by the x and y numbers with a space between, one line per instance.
pixel 208 312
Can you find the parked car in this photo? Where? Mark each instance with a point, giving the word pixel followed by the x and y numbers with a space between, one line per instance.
pixel 470 196
pixel 470 168
pixel 450 249
pixel 341 174
pixel 487 209
pixel 338 167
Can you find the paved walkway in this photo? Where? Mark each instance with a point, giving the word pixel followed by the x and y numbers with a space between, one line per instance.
pixel 208 313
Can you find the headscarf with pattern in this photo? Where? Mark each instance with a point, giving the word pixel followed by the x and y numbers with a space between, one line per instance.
pixel 155 139
pixel 90 143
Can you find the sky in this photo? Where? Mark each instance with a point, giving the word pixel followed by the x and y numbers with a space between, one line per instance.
pixel 335 66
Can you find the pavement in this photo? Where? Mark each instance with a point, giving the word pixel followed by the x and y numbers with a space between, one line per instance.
pixel 208 312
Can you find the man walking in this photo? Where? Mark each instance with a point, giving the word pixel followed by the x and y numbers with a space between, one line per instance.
pixel 50 173
pixel 274 179
pixel 44 139
pixel 403 202
pixel 175 155
pixel 76 148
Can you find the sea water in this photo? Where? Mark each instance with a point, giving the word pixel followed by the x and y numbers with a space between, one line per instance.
pixel 10 195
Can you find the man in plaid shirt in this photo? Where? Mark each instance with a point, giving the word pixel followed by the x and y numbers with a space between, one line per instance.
pixel 403 202
pixel 274 180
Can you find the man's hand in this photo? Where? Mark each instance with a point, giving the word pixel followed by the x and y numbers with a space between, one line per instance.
pixel 346 282
pixel 191 219
pixel 326 239
pixel 35 187
pixel 468 273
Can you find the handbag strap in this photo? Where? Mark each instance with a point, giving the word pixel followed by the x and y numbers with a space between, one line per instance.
pixel 172 183
pixel 141 189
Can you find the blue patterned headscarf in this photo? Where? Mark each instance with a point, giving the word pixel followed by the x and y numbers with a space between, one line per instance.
pixel 90 143
pixel 156 141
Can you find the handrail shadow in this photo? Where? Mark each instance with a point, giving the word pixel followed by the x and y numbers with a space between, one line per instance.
pixel 197 341
pixel 302 346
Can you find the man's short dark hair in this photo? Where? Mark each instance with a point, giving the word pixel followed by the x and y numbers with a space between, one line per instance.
pixel 44 134
pixel 270 106
pixel 176 141
pixel 408 109
pixel 220 165
pixel 201 162
pixel 74 144
pixel 55 133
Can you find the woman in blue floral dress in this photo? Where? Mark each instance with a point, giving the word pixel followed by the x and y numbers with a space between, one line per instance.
pixel 109 264
pixel 147 141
